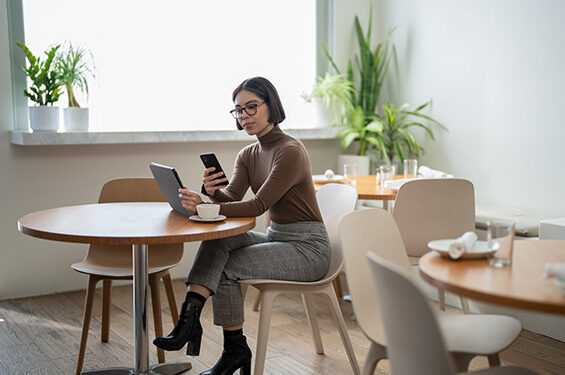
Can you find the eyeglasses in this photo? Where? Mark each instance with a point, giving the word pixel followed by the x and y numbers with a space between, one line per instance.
pixel 250 109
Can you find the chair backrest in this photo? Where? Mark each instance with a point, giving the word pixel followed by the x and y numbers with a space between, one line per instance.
pixel 362 231
pixel 432 209
pixel 133 190
pixel 335 200
pixel 415 343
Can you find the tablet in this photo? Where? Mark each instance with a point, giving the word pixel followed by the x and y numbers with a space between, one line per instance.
pixel 169 182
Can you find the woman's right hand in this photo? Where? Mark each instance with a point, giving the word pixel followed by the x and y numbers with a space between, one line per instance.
pixel 212 182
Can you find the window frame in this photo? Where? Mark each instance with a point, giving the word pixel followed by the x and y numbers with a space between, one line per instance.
pixel 325 33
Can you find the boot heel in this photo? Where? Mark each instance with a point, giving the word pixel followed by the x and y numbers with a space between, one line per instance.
pixel 245 369
pixel 193 346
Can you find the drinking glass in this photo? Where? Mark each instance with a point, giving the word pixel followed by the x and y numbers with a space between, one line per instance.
pixel 500 238
pixel 385 173
pixel 350 174
pixel 410 168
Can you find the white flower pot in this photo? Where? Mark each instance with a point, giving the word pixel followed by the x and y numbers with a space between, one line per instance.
pixel 362 163
pixel 44 118
pixel 76 119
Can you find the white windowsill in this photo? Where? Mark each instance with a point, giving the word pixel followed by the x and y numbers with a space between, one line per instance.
pixel 24 138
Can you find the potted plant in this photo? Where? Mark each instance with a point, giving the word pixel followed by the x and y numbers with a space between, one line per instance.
pixel 45 89
pixel 354 101
pixel 75 68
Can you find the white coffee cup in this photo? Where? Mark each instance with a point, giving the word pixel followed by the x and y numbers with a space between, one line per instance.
pixel 208 210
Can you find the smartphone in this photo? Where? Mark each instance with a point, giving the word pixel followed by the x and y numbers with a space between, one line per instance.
pixel 210 160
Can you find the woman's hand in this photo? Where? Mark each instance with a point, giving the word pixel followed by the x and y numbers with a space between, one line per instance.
pixel 189 199
pixel 210 182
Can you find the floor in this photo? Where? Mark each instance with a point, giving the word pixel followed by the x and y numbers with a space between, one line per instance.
pixel 41 335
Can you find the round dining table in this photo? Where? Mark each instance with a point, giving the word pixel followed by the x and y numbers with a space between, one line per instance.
pixel 138 225
pixel 520 285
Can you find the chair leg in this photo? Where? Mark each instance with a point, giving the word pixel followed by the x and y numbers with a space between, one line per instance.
pixel 441 297
pixel 257 302
pixel 337 286
pixel 465 305
pixel 462 361
pixel 308 302
pixel 267 298
pixel 170 296
pixel 336 310
pixel 106 303
pixel 88 302
pixel 158 322
pixel 375 354
pixel 494 360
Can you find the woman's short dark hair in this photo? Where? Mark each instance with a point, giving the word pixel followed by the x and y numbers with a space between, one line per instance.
pixel 264 89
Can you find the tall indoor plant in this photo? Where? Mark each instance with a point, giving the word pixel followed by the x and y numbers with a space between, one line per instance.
pixel 75 67
pixel 44 90
pixel 354 99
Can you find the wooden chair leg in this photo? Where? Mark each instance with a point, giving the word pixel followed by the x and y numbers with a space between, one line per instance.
pixel 336 311
pixel 308 302
pixel 494 360
pixel 106 303
pixel 156 303
pixel 257 302
pixel 337 286
pixel 465 305
pixel 170 296
pixel 375 354
pixel 263 333
pixel 441 298
pixel 88 302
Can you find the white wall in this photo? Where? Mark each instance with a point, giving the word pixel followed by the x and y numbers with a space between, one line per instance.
pixel 41 177
pixel 495 72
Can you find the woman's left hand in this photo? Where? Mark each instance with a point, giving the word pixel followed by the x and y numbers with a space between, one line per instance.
pixel 189 199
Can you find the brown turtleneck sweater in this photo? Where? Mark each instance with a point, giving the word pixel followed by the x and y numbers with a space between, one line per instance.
pixel 277 168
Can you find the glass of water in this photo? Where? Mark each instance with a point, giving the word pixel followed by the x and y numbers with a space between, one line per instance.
pixel 350 174
pixel 500 238
pixel 385 173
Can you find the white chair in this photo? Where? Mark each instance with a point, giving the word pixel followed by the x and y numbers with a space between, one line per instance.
pixel 334 200
pixel 432 209
pixel 416 342
pixel 466 335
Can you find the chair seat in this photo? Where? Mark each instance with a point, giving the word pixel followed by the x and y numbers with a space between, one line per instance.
pixel 113 272
pixel 258 282
pixel 466 333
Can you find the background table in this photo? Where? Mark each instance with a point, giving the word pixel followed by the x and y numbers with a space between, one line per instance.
pixel 367 189
pixel 520 285
pixel 139 225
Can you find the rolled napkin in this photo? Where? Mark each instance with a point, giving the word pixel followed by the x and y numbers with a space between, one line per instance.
pixel 556 270
pixel 427 172
pixel 462 244
pixel 396 184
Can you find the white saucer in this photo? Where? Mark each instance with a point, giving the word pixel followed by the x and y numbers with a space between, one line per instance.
pixel 322 179
pixel 198 218
pixel 479 250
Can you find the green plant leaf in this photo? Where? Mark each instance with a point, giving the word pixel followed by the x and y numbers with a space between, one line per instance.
pixel 348 139
pixel 375 126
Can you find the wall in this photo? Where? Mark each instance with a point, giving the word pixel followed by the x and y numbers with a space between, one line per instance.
pixel 35 178
pixel 494 70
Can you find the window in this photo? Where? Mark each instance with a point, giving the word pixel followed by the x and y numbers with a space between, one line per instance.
pixel 172 65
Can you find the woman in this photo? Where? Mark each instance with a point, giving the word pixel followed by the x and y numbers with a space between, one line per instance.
pixel 296 246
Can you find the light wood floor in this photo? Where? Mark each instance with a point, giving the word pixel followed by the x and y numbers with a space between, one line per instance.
pixel 41 335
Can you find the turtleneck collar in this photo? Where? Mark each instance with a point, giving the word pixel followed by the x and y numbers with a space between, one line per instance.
pixel 271 137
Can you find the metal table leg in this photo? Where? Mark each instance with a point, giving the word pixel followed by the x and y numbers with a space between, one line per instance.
pixel 140 255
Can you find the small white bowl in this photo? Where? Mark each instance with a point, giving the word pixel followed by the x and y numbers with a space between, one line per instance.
pixel 208 210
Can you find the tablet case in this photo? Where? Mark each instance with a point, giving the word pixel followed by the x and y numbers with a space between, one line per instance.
pixel 169 182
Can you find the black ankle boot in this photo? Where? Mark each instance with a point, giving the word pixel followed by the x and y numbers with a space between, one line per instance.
pixel 236 355
pixel 187 329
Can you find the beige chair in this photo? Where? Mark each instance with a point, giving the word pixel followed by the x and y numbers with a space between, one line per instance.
pixel 466 335
pixel 433 209
pixel 109 263
pixel 415 340
pixel 335 200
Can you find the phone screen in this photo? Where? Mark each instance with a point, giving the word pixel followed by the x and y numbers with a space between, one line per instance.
pixel 210 160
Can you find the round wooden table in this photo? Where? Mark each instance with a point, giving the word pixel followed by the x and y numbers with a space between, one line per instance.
pixel 139 225
pixel 520 285
pixel 367 188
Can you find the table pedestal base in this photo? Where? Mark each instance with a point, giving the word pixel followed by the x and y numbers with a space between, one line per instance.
pixel 171 368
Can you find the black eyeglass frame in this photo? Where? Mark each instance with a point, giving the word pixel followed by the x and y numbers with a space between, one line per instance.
pixel 234 112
